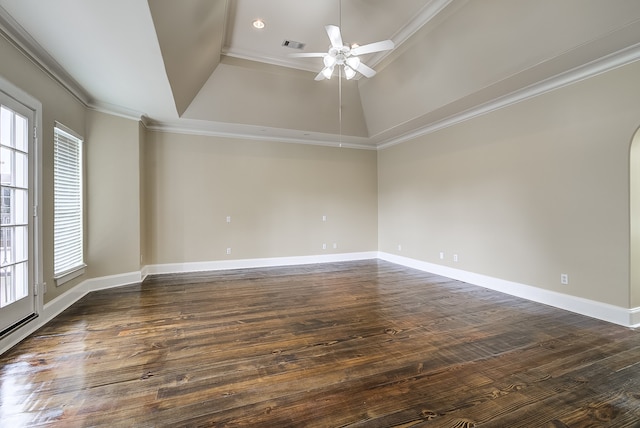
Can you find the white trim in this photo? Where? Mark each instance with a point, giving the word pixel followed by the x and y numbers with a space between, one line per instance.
pixel 69 275
pixel 256 263
pixel 33 104
pixel 64 128
pixel 112 281
pixel 39 191
pixel 594 68
pixel 426 13
pixel 609 62
pixel 144 272
pixel 60 303
pixel 634 316
pixel 591 308
pixel 55 307
pixel 118 111
pixel 602 311
pixel 429 11
pixel 68 298
pixel 263 133
pixel 16 35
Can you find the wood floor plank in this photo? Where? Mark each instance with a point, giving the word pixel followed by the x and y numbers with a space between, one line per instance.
pixel 353 344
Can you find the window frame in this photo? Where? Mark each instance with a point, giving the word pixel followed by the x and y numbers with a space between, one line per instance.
pixel 67 273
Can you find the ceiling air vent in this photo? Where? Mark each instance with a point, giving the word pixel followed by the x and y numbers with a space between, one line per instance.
pixel 293 45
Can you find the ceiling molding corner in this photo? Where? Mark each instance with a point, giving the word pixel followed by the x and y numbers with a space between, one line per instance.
pixel 426 14
pixel 257 133
pixel 252 55
pixel 119 111
pixel 21 40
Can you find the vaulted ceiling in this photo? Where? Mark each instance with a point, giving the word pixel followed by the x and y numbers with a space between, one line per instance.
pixel 200 66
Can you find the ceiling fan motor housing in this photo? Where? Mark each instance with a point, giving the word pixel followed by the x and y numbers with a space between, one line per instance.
pixel 345 56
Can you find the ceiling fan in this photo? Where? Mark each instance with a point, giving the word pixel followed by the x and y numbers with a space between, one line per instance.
pixel 345 56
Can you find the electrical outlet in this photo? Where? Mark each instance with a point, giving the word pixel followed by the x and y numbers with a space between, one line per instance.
pixel 228 251
pixel 399 247
pixel 441 255
pixel 455 258
pixel 335 245
pixel 564 279
pixel 324 246
pixel 228 219
pixel 324 218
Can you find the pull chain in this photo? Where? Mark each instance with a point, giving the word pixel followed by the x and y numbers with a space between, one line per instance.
pixel 340 80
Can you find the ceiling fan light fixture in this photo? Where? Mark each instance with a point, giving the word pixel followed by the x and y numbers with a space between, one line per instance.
pixel 345 56
pixel 327 72
pixel 329 61
pixel 349 72
pixel 353 62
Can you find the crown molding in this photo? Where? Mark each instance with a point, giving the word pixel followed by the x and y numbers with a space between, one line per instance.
pixel 252 55
pixel 428 12
pixel 257 133
pixel 591 69
pixel 24 43
pixel 119 111
pixel 15 34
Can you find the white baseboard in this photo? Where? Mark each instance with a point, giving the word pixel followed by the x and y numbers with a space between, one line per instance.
pixel 591 308
pixel 634 314
pixel 256 263
pixel 60 303
pixel 53 308
pixel 603 311
pixel 112 281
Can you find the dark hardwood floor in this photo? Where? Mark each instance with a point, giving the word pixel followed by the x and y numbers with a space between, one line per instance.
pixel 357 344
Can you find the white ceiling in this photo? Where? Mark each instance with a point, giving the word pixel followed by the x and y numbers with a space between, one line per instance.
pixel 361 22
pixel 180 64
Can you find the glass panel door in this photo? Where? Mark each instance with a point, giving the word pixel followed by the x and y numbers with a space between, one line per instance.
pixel 16 230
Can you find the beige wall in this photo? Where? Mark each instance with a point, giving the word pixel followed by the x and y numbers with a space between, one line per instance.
pixel 112 195
pixel 57 105
pixel 525 193
pixel 275 193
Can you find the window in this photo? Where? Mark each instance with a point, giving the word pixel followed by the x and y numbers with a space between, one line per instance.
pixel 68 256
pixel 20 196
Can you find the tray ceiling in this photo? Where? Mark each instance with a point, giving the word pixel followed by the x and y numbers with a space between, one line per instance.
pixel 200 66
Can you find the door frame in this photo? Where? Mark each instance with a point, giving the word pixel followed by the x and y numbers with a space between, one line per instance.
pixel 634 217
pixel 38 284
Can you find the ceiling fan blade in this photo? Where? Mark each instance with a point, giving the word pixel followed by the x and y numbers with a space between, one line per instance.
pixel 365 70
pixel 320 76
pixel 334 35
pixel 308 55
pixel 384 45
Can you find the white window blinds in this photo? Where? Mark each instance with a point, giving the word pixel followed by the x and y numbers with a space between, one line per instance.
pixel 67 183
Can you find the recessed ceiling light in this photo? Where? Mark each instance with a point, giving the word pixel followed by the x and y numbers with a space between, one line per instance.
pixel 259 24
